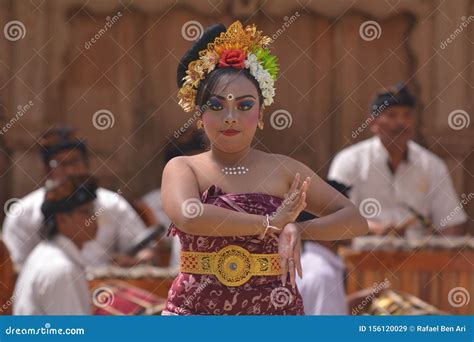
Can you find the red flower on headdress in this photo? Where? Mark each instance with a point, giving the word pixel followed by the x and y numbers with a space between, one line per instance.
pixel 232 58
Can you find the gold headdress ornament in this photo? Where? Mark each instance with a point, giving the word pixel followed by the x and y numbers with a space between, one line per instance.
pixel 239 48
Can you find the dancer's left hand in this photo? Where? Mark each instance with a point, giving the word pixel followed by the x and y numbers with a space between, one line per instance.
pixel 289 248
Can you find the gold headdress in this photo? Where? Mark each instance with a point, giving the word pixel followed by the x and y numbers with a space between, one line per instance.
pixel 238 48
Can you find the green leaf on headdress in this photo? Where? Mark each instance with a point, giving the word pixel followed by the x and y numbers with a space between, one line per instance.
pixel 268 61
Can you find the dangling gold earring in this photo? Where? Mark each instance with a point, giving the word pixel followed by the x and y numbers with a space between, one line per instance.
pixel 199 124
pixel 260 121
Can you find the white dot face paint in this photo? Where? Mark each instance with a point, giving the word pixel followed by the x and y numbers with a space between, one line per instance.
pixel 230 96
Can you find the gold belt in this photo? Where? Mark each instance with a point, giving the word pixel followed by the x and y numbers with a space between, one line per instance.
pixel 232 265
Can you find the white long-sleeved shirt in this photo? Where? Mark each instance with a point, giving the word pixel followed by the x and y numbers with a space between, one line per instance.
pixel 153 200
pixel 322 285
pixel 53 281
pixel 118 228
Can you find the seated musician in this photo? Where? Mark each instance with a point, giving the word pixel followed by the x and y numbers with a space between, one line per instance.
pixel 399 186
pixel 65 154
pixel 52 280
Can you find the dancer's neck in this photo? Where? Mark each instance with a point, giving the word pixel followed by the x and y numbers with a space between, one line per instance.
pixel 231 159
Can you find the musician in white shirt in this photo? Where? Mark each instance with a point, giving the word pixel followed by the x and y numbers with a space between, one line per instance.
pixel 53 281
pixel 322 286
pixel 394 179
pixel 119 225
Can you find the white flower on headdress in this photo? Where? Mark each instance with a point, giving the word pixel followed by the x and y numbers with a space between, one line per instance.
pixel 263 77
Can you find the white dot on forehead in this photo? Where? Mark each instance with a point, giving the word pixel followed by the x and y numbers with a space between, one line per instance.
pixel 230 96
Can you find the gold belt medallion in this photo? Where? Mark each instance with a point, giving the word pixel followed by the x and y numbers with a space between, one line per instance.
pixel 232 265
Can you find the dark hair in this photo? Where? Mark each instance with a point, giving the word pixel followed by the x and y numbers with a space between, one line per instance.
pixel 49 228
pixel 64 196
pixel 208 86
pixel 59 138
pixel 80 147
pixel 197 142
pixel 210 33
pixel 397 95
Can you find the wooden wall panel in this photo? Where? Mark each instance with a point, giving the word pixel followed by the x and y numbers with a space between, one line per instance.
pixel 329 75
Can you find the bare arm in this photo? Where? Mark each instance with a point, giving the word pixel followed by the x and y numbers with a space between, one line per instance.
pixel 338 218
pixel 181 202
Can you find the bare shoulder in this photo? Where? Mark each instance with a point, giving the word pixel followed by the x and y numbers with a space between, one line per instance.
pixel 281 166
pixel 198 161
pixel 188 164
pixel 285 164
pixel 175 162
pixel 180 165
pixel 187 161
pixel 179 174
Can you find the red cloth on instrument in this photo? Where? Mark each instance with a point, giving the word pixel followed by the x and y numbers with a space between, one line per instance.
pixel 125 299
pixel 193 294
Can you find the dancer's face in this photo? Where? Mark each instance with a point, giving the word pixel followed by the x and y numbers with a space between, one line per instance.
pixel 231 119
